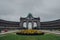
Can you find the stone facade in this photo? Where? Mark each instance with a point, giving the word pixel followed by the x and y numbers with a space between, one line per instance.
pixel 31 19
pixel 50 25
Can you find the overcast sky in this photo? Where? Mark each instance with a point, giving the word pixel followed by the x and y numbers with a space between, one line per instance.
pixel 47 10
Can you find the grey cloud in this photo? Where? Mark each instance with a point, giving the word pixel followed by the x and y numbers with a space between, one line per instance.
pixel 47 10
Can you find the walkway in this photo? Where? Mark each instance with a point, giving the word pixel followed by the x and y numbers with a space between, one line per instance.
pixel 9 32
pixel 46 31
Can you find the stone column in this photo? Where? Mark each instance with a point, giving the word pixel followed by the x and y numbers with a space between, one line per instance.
pixel 38 24
pixel 27 24
pixel 21 25
pixel 32 24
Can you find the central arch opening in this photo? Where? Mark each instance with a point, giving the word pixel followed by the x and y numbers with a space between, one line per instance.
pixel 29 25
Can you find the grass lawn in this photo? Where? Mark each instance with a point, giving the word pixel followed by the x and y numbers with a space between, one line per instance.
pixel 26 37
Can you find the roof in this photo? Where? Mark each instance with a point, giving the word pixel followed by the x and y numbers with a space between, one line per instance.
pixel 30 15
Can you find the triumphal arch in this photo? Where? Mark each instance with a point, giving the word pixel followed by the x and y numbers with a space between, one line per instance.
pixel 30 19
